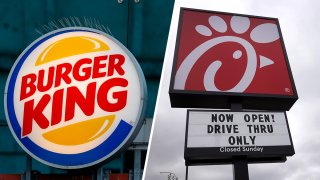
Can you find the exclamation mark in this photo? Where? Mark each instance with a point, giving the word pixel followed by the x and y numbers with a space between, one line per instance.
pixel 272 117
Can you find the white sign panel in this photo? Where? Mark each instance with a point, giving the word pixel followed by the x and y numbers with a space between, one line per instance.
pixel 216 129
pixel 221 135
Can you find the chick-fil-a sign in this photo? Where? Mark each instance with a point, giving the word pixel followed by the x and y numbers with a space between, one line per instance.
pixel 230 54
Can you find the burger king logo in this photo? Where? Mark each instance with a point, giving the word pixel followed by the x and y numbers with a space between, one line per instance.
pixel 75 97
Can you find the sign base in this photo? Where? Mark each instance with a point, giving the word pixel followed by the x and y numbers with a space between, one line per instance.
pixel 240 168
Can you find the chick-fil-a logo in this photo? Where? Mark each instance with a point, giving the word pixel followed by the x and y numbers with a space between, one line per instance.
pixel 230 53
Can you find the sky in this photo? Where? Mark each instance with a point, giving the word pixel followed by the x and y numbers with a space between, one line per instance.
pixel 299 21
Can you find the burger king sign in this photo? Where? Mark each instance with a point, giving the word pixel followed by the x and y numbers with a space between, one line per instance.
pixel 75 97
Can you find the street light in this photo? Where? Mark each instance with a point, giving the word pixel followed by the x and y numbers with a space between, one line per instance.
pixel 171 176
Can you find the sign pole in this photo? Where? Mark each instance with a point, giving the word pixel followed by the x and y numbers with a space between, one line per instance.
pixel 240 163
pixel 187 167
pixel 240 168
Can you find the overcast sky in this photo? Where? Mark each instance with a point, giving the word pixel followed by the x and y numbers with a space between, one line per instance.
pixel 300 25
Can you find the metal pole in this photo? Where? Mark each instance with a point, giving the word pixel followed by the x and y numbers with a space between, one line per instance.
pixel 29 167
pixel 240 169
pixel 137 164
pixel 187 167
pixel 240 163
pixel 100 173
